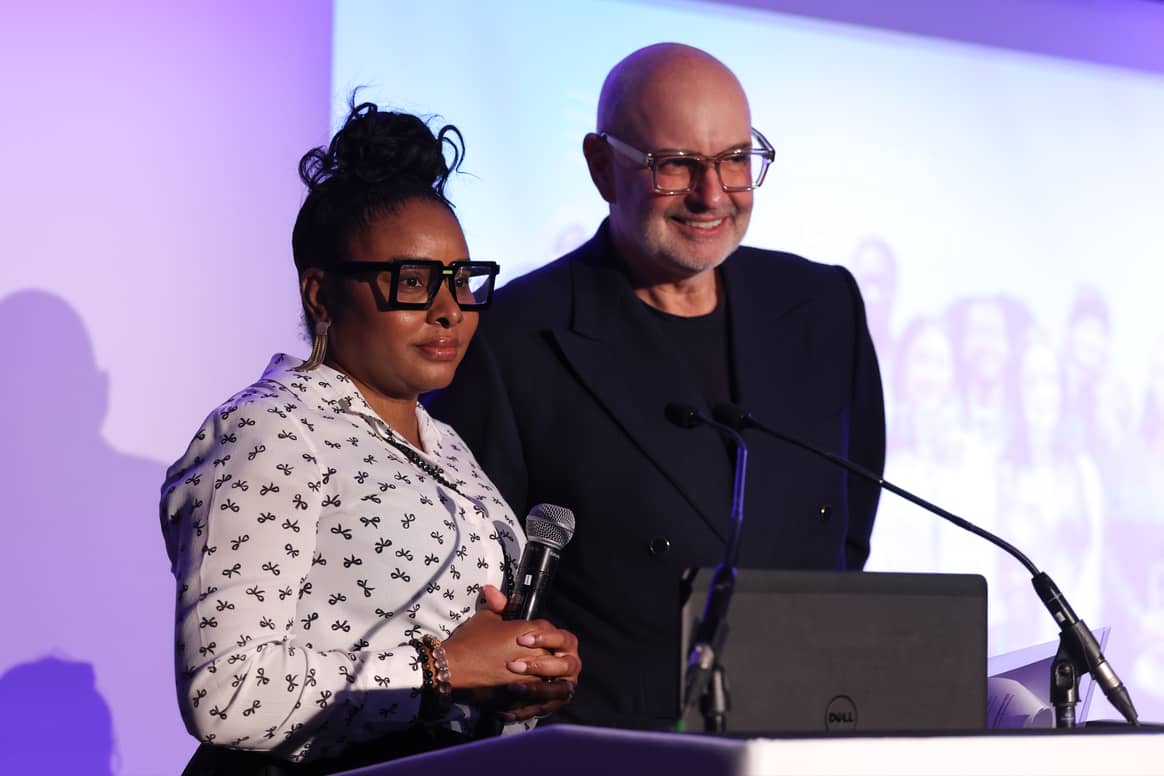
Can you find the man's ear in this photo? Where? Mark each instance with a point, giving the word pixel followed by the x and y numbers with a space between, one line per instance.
pixel 598 159
pixel 311 291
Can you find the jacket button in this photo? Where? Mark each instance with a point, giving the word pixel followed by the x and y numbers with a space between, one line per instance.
pixel 660 545
pixel 825 512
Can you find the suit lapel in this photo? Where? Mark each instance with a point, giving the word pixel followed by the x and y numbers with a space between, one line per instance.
pixel 615 348
pixel 771 341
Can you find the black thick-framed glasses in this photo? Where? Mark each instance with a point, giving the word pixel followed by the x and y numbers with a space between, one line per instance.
pixel 412 284
pixel 679 172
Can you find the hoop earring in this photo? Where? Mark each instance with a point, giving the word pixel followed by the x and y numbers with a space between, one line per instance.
pixel 318 347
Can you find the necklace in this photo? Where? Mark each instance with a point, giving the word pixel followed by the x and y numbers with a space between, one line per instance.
pixel 429 468
pixel 413 457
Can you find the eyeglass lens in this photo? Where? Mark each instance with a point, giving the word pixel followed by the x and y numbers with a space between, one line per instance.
pixel 419 283
pixel 682 172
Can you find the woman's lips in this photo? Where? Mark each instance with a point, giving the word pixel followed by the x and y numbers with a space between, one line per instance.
pixel 440 349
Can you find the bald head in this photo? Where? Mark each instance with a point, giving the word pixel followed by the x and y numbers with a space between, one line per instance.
pixel 654 76
pixel 670 97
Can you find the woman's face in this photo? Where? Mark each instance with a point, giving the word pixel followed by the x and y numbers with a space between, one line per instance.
pixel 1042 393
pixel 985 344
pixel 929 369
pixel 1088 345
pixel 401 353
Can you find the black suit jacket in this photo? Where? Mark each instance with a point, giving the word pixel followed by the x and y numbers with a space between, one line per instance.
pixel 561 398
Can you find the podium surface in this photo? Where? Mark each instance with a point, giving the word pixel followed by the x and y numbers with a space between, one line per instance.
pixel 566 750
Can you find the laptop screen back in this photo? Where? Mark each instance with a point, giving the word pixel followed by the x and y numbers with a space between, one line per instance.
pixel 849 651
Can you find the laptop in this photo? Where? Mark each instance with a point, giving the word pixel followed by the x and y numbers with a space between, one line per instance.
pixel 847 652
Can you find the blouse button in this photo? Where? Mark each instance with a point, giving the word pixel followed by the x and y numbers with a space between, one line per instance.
pixel 660 545
pixel 825 512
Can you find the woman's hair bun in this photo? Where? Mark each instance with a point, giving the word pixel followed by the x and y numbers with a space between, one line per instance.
pixel 384 147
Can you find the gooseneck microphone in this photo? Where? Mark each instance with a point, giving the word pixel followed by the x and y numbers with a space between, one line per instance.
pixel 711 632
pixel 548 528
pixel 1077 643
pixel 686 416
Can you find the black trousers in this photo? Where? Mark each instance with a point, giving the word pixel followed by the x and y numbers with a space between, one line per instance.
pixel 211 760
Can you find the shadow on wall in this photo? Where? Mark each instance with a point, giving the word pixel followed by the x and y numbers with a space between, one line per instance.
pixel 85 575
pixel 54 720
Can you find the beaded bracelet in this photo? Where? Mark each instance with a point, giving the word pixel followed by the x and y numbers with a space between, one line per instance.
pixel 437 685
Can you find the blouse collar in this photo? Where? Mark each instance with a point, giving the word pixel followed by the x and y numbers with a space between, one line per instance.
pixel 333 391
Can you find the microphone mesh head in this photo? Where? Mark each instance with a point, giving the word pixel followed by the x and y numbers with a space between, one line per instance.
pixel 550 525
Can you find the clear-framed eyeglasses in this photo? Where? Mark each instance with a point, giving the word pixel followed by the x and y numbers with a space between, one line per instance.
pixel 413 284
pixel 678 172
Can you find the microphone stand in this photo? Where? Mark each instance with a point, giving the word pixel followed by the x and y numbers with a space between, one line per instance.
pixel 1078 649
pixel 706 678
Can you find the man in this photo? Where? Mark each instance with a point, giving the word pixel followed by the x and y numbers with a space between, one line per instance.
pixel 562 394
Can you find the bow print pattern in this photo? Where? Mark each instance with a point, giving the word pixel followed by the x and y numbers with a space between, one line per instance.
pixel 327 499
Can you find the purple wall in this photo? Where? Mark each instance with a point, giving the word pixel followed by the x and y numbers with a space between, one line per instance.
pixel 149 189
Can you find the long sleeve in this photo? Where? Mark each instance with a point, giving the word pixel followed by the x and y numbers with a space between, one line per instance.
pixel 246 521
pixel 866 434
pixel 308 551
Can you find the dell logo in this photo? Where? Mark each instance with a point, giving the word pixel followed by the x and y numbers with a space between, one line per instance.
pixel 841 714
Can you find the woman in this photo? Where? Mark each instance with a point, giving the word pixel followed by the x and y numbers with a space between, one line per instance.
pixel 1051 500
pixel 338 552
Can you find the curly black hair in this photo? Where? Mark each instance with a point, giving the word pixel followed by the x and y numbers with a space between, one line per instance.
pixel 375 163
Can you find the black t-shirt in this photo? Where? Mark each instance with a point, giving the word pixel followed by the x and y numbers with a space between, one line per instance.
pixel 704 343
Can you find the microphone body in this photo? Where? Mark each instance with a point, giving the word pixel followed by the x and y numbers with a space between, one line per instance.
pixel 539 562
pixel 548 528
pixel 1082 648
pixel 1076 639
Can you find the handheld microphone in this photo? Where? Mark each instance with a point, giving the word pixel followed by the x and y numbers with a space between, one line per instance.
pixel 711 631
pixel 1076 640
pixel 548 528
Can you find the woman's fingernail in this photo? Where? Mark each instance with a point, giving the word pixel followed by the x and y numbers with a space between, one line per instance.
pixel 517 666
pixel 527 640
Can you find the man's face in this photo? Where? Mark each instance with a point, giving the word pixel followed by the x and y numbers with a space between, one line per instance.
pixel 673 237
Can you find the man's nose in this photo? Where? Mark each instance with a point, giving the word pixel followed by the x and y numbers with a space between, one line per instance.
pixel 708 190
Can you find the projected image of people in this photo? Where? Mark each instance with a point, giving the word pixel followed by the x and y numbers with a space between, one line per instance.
pixel 1134 572
pixel 874 267
pixel 341 559
pixel 986 332
pixel 1051 496
pixel 1097 401
pixel 929 446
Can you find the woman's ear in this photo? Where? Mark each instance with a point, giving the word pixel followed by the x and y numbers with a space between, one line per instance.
pixel 311 290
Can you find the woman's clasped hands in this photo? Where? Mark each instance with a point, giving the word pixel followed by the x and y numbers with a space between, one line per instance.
pixel 517 668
